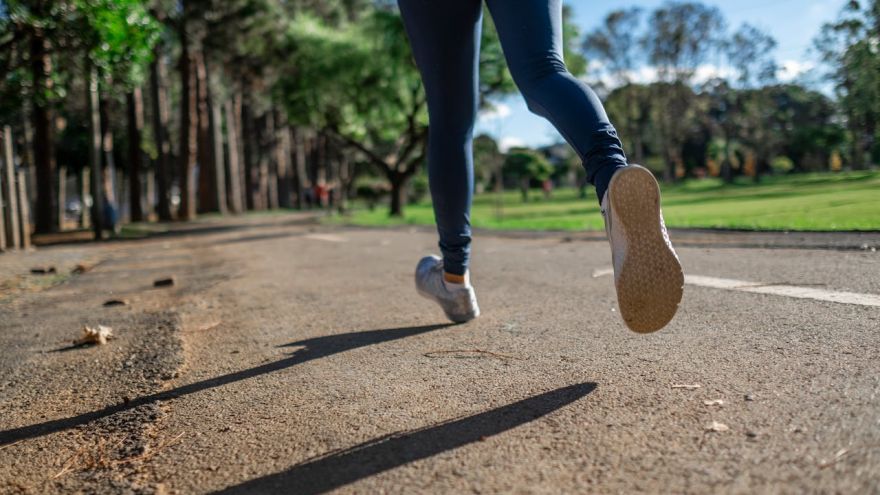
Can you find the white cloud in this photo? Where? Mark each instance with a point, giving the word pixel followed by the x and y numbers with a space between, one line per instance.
pixel 790 70
pixel 507 142
pixel 498 111
pixel 649 74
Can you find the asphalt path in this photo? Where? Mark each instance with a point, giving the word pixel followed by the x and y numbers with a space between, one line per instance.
pixel 292 358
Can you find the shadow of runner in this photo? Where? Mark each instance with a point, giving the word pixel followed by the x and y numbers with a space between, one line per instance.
pixel 340 468
pixel 315 348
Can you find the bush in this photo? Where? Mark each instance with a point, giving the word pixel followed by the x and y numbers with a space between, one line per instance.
pixel 781 165
pixel 418 188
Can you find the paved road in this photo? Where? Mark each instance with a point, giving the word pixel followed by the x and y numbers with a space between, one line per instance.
pixel 289 358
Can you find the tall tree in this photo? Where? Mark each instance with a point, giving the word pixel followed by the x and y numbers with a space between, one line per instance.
pixel 159 100
pixel 679 38
pixel 186 153
pixel 850 49
pixel 616 45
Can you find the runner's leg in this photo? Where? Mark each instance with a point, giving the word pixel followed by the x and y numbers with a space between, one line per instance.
pixel 531 36
pixel 445 39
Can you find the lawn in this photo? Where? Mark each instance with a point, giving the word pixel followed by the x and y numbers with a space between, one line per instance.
pixel 826 201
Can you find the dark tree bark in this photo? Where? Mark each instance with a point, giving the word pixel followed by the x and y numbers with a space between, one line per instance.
pixel 215 123
pixel 207 173
pixel 44 143
pixel 159 99
pixel 398 183
pixel 269 163
pixel 302 179
pixel 251 163
pixel 8 179
pixel 188 125
pixel 62 195
pixel 95 181
pixel 83 185
pixel 135 103
pixel 217 155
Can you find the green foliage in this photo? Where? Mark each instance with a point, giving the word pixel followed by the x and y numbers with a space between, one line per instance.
pixel 357 79
pixel 782 165
pixel 526 166
pixel 120 38
pixel 850 49
pixel 418 188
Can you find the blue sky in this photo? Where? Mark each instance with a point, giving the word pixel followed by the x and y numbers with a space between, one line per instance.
pixel 793 23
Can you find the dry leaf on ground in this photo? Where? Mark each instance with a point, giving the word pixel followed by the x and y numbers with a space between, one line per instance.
pixel 95 335
pixel 717 427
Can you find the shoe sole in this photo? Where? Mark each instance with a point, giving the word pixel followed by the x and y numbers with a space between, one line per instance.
pixel 651 282
pixel 452 318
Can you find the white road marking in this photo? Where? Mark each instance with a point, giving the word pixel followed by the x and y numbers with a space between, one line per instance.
pixel 774 289
pixel 325 237
pixel 785 290
pixel 603 272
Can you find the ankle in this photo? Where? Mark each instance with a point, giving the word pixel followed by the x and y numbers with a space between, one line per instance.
pixel 453 281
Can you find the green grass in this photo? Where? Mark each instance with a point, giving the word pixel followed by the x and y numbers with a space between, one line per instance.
pixel 839 201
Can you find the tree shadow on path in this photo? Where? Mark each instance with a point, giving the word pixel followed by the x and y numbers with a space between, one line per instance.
pixel 340 468
pixel 314 348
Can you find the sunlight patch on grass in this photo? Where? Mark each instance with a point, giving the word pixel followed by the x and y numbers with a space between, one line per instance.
pixel 842 201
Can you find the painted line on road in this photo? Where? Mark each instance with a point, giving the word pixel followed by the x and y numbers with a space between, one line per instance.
pixel 325 237
pixel 773 289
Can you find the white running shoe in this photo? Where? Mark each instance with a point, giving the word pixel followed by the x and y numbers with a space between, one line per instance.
pixel 460 305
pixel 647 272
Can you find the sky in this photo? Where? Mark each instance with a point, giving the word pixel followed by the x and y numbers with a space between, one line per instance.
pixel 793 23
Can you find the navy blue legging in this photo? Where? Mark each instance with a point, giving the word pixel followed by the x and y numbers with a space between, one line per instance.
pixel 445 39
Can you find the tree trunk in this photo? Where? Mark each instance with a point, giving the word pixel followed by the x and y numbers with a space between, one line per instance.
pixel 268 164
pixel 524 189
pixel 302 179
pixel 235 192
pixel 149 187
pixel 27 161
pixel 8 181
pixel 85 194
pixel 108 161
pixel 62 195
pixel 44 144
pixel 217 155
pixel 398 194
pixel 215 123
pixel 24 210
pixel 283 161
pixel 159 100
pixel 188 127
pixel 345 180
pixel 207 172
pixel 135 104
pixel 251 165
pixel 95 181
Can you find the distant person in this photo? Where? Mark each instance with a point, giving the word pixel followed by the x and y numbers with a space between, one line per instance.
pixel 110 217
pixel 547 187
pixel 445 39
